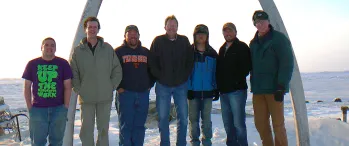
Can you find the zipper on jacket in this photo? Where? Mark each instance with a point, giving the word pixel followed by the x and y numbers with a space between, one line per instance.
pixel 202 79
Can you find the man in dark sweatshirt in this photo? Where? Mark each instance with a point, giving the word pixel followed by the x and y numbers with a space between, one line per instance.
pixel 171 63
pixel 233 65
pixel 133 101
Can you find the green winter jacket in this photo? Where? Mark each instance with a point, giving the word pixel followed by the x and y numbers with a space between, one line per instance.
pixel 272 62
pixel 95 76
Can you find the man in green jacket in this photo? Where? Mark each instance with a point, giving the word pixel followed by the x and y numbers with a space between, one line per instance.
pixel 272 67
pixel 96 74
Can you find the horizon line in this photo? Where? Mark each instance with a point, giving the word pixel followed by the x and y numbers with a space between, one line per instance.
pixel 310 72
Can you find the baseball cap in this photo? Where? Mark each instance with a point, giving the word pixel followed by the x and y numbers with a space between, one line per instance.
pixel 131 27
pixel 259 15
pixel 229 25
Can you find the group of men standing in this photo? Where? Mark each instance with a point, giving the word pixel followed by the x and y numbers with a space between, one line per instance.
pixel 193 74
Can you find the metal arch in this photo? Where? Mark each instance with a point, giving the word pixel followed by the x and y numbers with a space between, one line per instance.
pixel 296 86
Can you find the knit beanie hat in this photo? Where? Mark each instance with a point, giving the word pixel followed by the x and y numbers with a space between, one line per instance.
pixel 259 15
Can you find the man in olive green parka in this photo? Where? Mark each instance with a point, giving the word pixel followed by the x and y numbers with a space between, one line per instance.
pixel 96 74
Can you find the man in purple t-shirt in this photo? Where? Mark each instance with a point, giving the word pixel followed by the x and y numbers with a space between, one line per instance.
pixel 47 90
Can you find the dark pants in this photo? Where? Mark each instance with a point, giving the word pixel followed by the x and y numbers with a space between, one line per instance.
pixel 234 117
pixel 133 111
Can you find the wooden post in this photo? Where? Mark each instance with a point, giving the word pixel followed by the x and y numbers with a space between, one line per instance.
pixel 296 86
pixel 91 9
pixel 344 111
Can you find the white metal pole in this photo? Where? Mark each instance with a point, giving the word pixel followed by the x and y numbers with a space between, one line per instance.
pixel 91 9
pixel 296 86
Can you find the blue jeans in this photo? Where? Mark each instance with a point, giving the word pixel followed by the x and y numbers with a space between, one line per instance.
pixel 163 105
pixel 49 121
pixel 203 107
pixel 133 112
pixel 234 117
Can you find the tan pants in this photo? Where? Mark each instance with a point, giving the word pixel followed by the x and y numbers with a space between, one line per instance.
pixel 265 106
pixel 90 112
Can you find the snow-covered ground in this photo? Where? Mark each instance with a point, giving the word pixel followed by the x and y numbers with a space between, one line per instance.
pixel 324 129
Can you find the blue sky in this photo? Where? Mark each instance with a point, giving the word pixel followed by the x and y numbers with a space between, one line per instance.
pixel 318 29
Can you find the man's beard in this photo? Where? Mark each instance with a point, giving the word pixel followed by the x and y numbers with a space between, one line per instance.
pixel 229 40
pixel 133 43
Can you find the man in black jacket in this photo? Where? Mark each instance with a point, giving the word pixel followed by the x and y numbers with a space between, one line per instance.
pixel 233 65
pixel 171 62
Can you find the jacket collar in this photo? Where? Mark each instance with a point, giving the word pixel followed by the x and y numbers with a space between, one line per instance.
pixel 209 51
pixel 235 41
pixel 267 36
pixel 169 38
pixel 99 39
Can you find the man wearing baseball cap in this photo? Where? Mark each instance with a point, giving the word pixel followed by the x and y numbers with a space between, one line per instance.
pixel 233 65
pixel 133 100
pixel 272 67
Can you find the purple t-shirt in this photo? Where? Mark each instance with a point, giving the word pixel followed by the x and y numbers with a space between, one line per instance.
pixel 47 80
